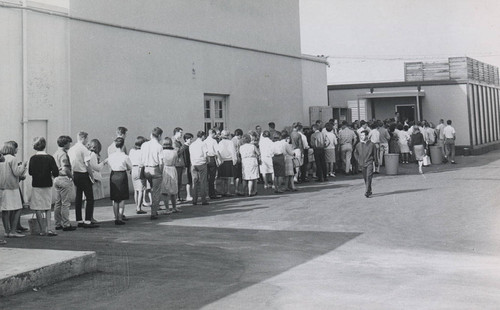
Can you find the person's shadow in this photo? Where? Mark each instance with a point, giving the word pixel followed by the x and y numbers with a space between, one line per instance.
pixel 403 191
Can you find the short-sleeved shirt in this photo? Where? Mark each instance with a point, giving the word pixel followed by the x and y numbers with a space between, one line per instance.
pixel 62 161
pixel 449 132
pixel 151 153
pixel 77 155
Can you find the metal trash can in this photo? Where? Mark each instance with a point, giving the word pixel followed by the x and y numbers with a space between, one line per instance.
pixel 436 154
pixel 391 164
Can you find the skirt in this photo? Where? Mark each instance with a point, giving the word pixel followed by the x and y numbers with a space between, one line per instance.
pixel 169 185
pixel 226 169
pixel 267 165
pixel 137 182
pixel 250 168
pixel 98 190
pixel 118 182
pixel 403 147
pixel 419 152
pixel 330 155
pixel 41 198
pixel 10 199
pixel 279 165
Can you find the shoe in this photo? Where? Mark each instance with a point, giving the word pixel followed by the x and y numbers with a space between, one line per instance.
pixel 367 195
pixel 180 200
pixel 453 162
pixel 153 217
pixel 124 218
pixel 80 224
pixel 188 199
pixel 91 225
pixel 118 222
pixel 69 228
pixel 141 212
pixel 2 242
pixel 205 203
pixel 20 228
pixel 16 235
pixel 176 210
pixel 51 233
pixel 59 227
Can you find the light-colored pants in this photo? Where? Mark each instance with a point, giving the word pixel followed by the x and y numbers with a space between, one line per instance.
pixel 64 187
pixel 154 177
pixel 346 153
pixel 441 144
pixel 200 182
pixel 449 146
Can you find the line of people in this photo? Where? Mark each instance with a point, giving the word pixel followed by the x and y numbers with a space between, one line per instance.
pixel 159 167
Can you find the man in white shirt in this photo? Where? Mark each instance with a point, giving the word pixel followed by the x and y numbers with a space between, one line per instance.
pixel 211 146
pixel 449 142
pixel 439 135
pixel 374 137
pixel 121 132
pixel 82 178
pixel 151 161
pixel 199 156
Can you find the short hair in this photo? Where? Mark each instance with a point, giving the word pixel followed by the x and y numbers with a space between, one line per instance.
pixel 344 123
pixel 157 132
pixel 374 125
pixel 406 127
pixel 238 132
pixel 188 136
pixel 95 146
pixel 448 122
pixel 39 143
pixel 271 125
pixel 225 134
pixel 200 134
pixel 9 147
pixel 258 126
pixel 315 127
pixel 246 138
pixel 364 131
pixel 167 142
pixel 362 122
pixel 62 141
pixel 266 134
pixel 82 135
pixel 284 135
pixel 400 126
pixel 139 141
pixel 299 127
pixel 329 127
pixel 211 131
pixel 121 131
pixel 177 129
pixel 119 142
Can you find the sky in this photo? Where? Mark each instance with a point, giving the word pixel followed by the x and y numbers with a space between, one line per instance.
pixel 369 40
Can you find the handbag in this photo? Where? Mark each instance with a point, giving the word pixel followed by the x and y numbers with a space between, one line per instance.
pixel 142 174
pixel 426 160
pixel 296 162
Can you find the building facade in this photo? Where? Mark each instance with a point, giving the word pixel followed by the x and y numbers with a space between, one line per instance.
pixel 92 65
pixel 462 89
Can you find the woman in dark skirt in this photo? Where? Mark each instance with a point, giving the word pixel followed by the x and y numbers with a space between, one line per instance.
pixel 279 162
pixel 119 162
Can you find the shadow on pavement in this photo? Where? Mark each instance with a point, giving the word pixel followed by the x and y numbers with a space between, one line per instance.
pixel 148 266
pixel 399 192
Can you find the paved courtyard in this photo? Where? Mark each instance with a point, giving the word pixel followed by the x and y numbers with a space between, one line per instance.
pixel 427 241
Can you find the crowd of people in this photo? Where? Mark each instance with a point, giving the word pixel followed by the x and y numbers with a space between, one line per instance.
pixel 185 167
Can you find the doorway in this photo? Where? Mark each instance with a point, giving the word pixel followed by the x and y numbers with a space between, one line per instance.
pixel 406 111
pixel 215 112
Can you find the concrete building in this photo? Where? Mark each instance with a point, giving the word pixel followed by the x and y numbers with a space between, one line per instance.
pixel 93 65
pixel 461 89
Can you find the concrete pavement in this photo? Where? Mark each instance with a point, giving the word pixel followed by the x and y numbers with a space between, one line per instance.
pixel 427 241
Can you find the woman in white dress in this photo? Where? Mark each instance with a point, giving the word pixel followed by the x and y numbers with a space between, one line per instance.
pixel 266 155
pixel 96 164
pixel 10 201
pixel 169 185
pixel 403 138
pixel 138 183
pixel 250 165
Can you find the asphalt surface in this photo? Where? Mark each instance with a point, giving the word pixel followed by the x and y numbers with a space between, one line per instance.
pixel 421 242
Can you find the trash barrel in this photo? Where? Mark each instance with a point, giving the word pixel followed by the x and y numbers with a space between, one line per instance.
pixel 391 164
pixel 436 154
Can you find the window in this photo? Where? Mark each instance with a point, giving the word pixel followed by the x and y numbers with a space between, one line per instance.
pixel 215 111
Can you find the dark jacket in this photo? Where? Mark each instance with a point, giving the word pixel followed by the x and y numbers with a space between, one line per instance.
pixel 365 153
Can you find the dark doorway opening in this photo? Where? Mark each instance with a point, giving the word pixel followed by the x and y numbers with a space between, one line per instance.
pixel 406 112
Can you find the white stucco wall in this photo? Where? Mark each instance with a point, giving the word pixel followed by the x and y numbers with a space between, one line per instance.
pixel 314 87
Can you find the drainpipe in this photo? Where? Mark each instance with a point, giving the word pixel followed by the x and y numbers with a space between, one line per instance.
pixel 25 142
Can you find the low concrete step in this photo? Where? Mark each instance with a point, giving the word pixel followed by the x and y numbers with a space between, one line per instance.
pixel 25 269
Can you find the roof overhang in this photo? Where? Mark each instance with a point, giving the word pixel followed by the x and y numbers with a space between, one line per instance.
pixel 392 94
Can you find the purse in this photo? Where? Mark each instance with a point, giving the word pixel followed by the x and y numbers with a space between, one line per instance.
pixel 296 162
pixel 426 160
pixel 142 174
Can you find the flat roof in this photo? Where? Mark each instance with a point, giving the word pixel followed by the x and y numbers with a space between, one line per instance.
pixel 396 84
